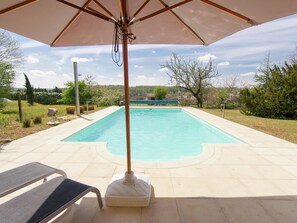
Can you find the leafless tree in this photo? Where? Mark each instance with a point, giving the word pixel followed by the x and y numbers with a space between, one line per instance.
pixel 10 56
pixel 9 49
pixel 191 75
pixel 90 80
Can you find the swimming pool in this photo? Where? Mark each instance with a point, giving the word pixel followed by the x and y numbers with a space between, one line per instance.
pixel 157 134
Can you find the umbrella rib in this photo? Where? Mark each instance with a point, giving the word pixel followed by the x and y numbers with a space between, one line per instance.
pixel 139 10
pixel 248 20
pixel 105 9
pixel 96 12
pixel 188 27
pixel 69 24
pixel 19 5
pixel 98 15
pixel 162 10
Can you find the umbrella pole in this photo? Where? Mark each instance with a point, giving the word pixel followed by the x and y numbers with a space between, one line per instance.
pixel 128 190
pixel 127 101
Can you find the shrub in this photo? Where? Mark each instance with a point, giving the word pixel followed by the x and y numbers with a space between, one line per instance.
pixel 70 110
pixel 2 105
pixel 14 95
pixel 47 98
pixel 4 120
pixel 275 94
pixel 37 120
pixel 26 123
pixel 231 105
pixel 68 95
pixel 186 102
pixel 160 92
pixel 107 97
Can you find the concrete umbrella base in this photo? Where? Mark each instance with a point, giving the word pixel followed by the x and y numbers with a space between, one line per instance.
pixel 128 190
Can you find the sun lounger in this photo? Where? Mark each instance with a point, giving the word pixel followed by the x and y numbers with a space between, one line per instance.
pixel 45 201
pixel 25 175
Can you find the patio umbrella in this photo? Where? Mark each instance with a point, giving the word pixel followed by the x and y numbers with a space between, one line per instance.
pixel 94 22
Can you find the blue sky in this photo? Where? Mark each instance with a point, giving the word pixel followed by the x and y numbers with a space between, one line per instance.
pixel 238 55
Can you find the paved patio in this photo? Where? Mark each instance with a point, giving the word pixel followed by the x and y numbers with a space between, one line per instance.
pixel 253 182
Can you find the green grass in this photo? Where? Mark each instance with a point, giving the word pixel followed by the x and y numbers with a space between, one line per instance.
pixel 30 112
pixel 11 128
pixel 284 129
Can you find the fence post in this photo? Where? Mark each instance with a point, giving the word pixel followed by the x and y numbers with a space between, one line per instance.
pixel 20 106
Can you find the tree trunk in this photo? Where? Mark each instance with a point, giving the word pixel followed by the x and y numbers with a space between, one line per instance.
pixel 199 101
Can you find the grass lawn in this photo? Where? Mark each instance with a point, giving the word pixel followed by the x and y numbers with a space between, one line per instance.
pixel 284 129
pixel 11 128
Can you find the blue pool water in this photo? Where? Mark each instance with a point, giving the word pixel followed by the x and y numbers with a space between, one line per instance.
pixel 157 134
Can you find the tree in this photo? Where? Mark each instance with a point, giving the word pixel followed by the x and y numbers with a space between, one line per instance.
pixel 68 95
pixel 7 75
pixel 160 92
pixel 231 89
pixel 57 90
pixel 10 56
pixel 29 90
pixel 107 96
pixel 90 80
pixel 92 88
pixel 9 49
pixel 276 94
pixel 190 75
pixel 265 71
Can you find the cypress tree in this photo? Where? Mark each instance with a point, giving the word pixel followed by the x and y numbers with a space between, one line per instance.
pixel 29 90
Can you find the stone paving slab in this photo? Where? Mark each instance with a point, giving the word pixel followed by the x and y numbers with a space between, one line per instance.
pixel 251 182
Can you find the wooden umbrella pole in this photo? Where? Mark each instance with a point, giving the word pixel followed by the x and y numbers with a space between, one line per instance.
pixel 127 97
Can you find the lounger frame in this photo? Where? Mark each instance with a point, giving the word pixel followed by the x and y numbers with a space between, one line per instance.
pixel 43 202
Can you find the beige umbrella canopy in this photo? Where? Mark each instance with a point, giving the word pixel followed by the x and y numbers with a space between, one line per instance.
pixel 91 22
pixel 94 22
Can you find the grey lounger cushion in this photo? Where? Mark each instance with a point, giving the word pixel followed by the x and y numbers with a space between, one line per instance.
pixel 45 201
pixel 22 176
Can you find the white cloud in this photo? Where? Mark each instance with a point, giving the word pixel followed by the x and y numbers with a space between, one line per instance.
pixel 61 61
pixel 81 59
pixel 164 69
pixel 31 44
pixel 67 76
pixel 138 67
pixel 120 75
pixel 41 73
pixel 101 76
pixel 247 74
pixel 65 54
pixel 206 58
pixel 149 80
pixel 32 60
pixel 142 79
pixel 223 64
pixel 153 51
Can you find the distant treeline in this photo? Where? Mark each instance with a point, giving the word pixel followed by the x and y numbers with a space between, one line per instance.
pixel 52 96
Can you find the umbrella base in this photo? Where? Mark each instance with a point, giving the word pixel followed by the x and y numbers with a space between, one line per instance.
pixel 128 190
